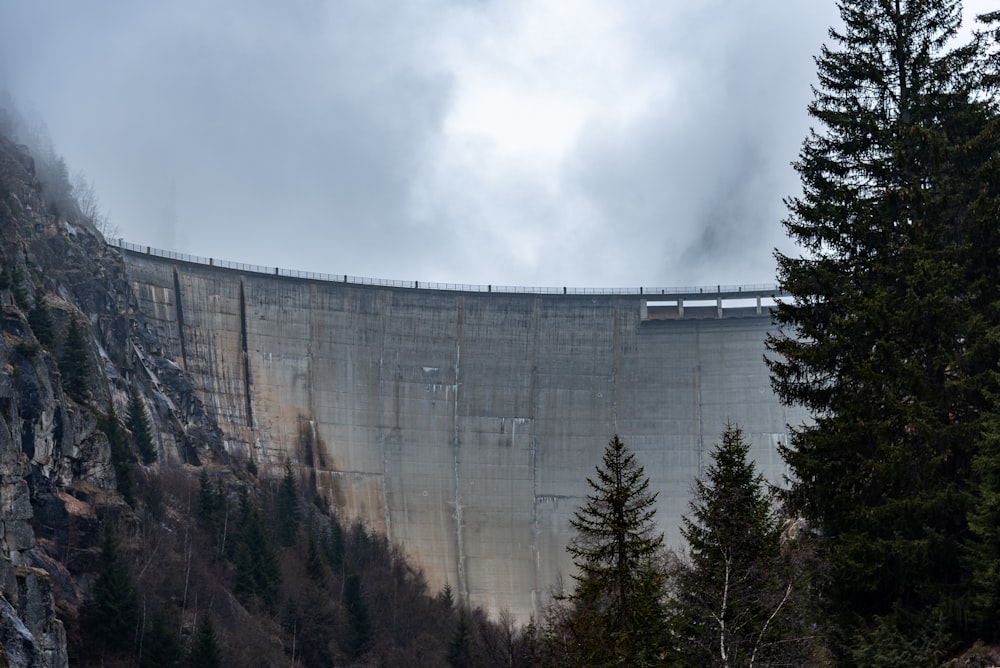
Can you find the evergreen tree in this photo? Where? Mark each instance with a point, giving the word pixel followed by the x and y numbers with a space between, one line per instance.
pixel 137 421
pixel 111 614
pixel 359 640
pixel 737 601
pixel 40 320
pixel 120 459
pixel 205 651
pixel 257 573
pixel 460 645
pixel 897 274
pixel 287 506
pixel 212 514
pixel 316 568
pixel 984 517
pixel 17 288
pixel 333 544
pixel 74 364
pixel 160 646
pixel 616 607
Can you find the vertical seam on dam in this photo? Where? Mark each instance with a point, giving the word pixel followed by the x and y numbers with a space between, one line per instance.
pixel 536 553
pixel 246 355
pixel 700 419
pixel 383 304
pixel 180 316
pixel 459 543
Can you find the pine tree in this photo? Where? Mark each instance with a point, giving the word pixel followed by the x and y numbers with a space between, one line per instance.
pixel 616 605
pixel 111 613
pixel 212 514
pixel 120 459
pixel 984 276
pixel 888 298
pixel 205 651
pixel 137 421
pixel 287 506
pixel 160 646
pixel 333 544
pixel 359 640
pixel 316 567
pixel 257 574
pixel 460 644
pixel 74 364
pixel 40 320
pixel 17 287
pixel 737 602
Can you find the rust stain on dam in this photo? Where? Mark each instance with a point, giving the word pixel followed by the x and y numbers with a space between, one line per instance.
pixel 464 424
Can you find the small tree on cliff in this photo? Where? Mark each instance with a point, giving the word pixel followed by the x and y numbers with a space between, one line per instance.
pixel 616 615
pixel 74 364
pixel 138 423
pixel 120 458
pixel 40 320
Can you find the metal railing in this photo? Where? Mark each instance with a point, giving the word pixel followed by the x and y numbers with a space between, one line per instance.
pixel 653 293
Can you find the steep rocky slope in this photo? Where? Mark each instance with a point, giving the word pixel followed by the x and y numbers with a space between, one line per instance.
pixel 57 478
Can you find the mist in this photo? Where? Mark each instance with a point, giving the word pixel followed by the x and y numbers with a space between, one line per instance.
pixel 518 143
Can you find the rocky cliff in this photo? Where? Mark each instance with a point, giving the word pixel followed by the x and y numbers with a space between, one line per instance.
pixel 57 477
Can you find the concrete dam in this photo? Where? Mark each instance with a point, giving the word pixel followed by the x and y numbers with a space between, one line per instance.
pixel 463 421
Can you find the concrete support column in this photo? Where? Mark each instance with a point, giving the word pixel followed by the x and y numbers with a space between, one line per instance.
pixel 718 306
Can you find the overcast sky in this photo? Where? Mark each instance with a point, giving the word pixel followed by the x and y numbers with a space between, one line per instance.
pixel 524 142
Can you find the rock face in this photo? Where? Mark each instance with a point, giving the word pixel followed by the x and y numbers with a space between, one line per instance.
pixel 56 473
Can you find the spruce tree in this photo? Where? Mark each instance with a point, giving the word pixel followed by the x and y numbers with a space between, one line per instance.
pixel 984 276
pixel 120 459
pixel 359 639
pixel 160 646
pixel 287 506
pixel 257 574
pixel 111 613
pixel 738 600
pixel 205 651
pixel 138 423
pixel 74 364
pixel 460 644
pixel 40 320
pixel 616 604
pixel 212 514
pixel 896 275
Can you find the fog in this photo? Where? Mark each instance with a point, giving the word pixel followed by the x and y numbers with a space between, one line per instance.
pixel 527 142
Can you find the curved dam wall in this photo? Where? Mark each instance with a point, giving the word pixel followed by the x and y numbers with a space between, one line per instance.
pixel 464 424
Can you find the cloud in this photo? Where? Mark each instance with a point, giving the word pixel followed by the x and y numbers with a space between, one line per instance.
pixel 529 142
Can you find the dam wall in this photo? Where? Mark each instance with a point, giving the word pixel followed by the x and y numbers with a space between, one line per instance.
pixel 464 422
